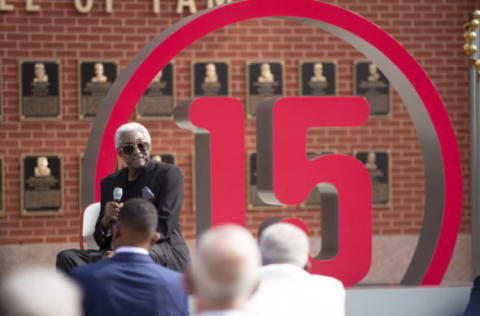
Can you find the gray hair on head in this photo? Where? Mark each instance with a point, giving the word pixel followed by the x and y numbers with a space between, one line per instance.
pixel 131 127
pixel 38 291
pixel 225 268
pixel 284 243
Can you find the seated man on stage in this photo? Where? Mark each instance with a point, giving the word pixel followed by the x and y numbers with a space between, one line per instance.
pixel 160 183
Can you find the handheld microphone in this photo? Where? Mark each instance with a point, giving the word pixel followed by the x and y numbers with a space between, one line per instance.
pixel 117 194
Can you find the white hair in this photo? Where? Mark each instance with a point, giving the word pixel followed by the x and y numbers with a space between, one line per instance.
pixel 38 291
pixel 284 243
pixel 225 268
pixel 130 127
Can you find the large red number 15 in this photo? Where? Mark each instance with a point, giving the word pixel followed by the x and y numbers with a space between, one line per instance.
pixel 285 175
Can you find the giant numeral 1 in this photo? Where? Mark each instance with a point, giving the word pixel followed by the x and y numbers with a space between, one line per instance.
pixel 218 126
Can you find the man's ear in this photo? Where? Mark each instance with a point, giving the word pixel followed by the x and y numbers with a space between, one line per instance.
pixel 155 238
pixel 116 234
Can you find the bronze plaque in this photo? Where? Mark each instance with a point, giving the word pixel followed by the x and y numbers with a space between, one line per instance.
pixel 39 90
pixel 164 157
pixel 317 78
pixel 2 188
pixel 378 166
pixel 1 93
pixel 95 79
pixel 372 84
pixel 81 157
pixel 210 78
pixel 314 198
pixel 264 80
pixel 253 200
pixel 42 184
pixel 157 100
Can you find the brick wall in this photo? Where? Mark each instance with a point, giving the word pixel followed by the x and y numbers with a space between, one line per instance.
pixel 431 30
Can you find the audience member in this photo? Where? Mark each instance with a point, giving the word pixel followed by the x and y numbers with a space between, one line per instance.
pixel 473 307
pixel 224 272
pixel 130 283
pixel 285 287
pixel 37 291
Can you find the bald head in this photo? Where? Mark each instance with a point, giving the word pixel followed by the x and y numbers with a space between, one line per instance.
pixel 284 243
pixel 225 266
pixel 39 291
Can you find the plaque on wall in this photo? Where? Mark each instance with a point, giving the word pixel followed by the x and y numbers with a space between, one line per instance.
pixel 264 80
pixel 2 188
pixel 210 78
pixel 42 184
pixel 157 100
pixel 80 164
pixel 39 89
pixel 314 198
pixel 317 78
pixel 164 157
pixel 1 93
pixel 194 190
pixel 253 199
pixel 378 166
pixel 95 79
pixel 371 83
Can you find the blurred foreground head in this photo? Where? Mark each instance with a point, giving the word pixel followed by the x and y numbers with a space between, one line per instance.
pixel 224 272
pixel 284 243
pixel 37 291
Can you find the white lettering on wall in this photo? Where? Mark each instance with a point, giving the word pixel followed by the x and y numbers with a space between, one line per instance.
pixel 4 6
pixel 32 7
pixel 109 6
pixel 83 8
pixel 212 3
pixel 186 3
pixel 156 6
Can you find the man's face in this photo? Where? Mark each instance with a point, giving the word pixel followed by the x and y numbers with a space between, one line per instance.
pixel 134 149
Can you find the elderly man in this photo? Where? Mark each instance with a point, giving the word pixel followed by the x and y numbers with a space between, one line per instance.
pixel 130 283
pixel 224 272
pixel 160 183
pixel 285 287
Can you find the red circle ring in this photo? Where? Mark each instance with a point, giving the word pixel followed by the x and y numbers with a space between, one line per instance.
pixel 435 248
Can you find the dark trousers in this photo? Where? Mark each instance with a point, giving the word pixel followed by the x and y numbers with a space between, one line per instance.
pixel 175 258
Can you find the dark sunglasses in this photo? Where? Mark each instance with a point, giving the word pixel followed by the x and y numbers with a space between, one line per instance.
pixel 128 149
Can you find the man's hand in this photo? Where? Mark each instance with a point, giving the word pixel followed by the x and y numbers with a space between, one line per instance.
pixel 111 214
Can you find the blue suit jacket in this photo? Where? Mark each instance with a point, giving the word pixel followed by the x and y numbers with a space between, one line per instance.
pixel 473 307
pixel 131 284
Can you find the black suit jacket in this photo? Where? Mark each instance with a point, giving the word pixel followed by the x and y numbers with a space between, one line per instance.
pixel 165 181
